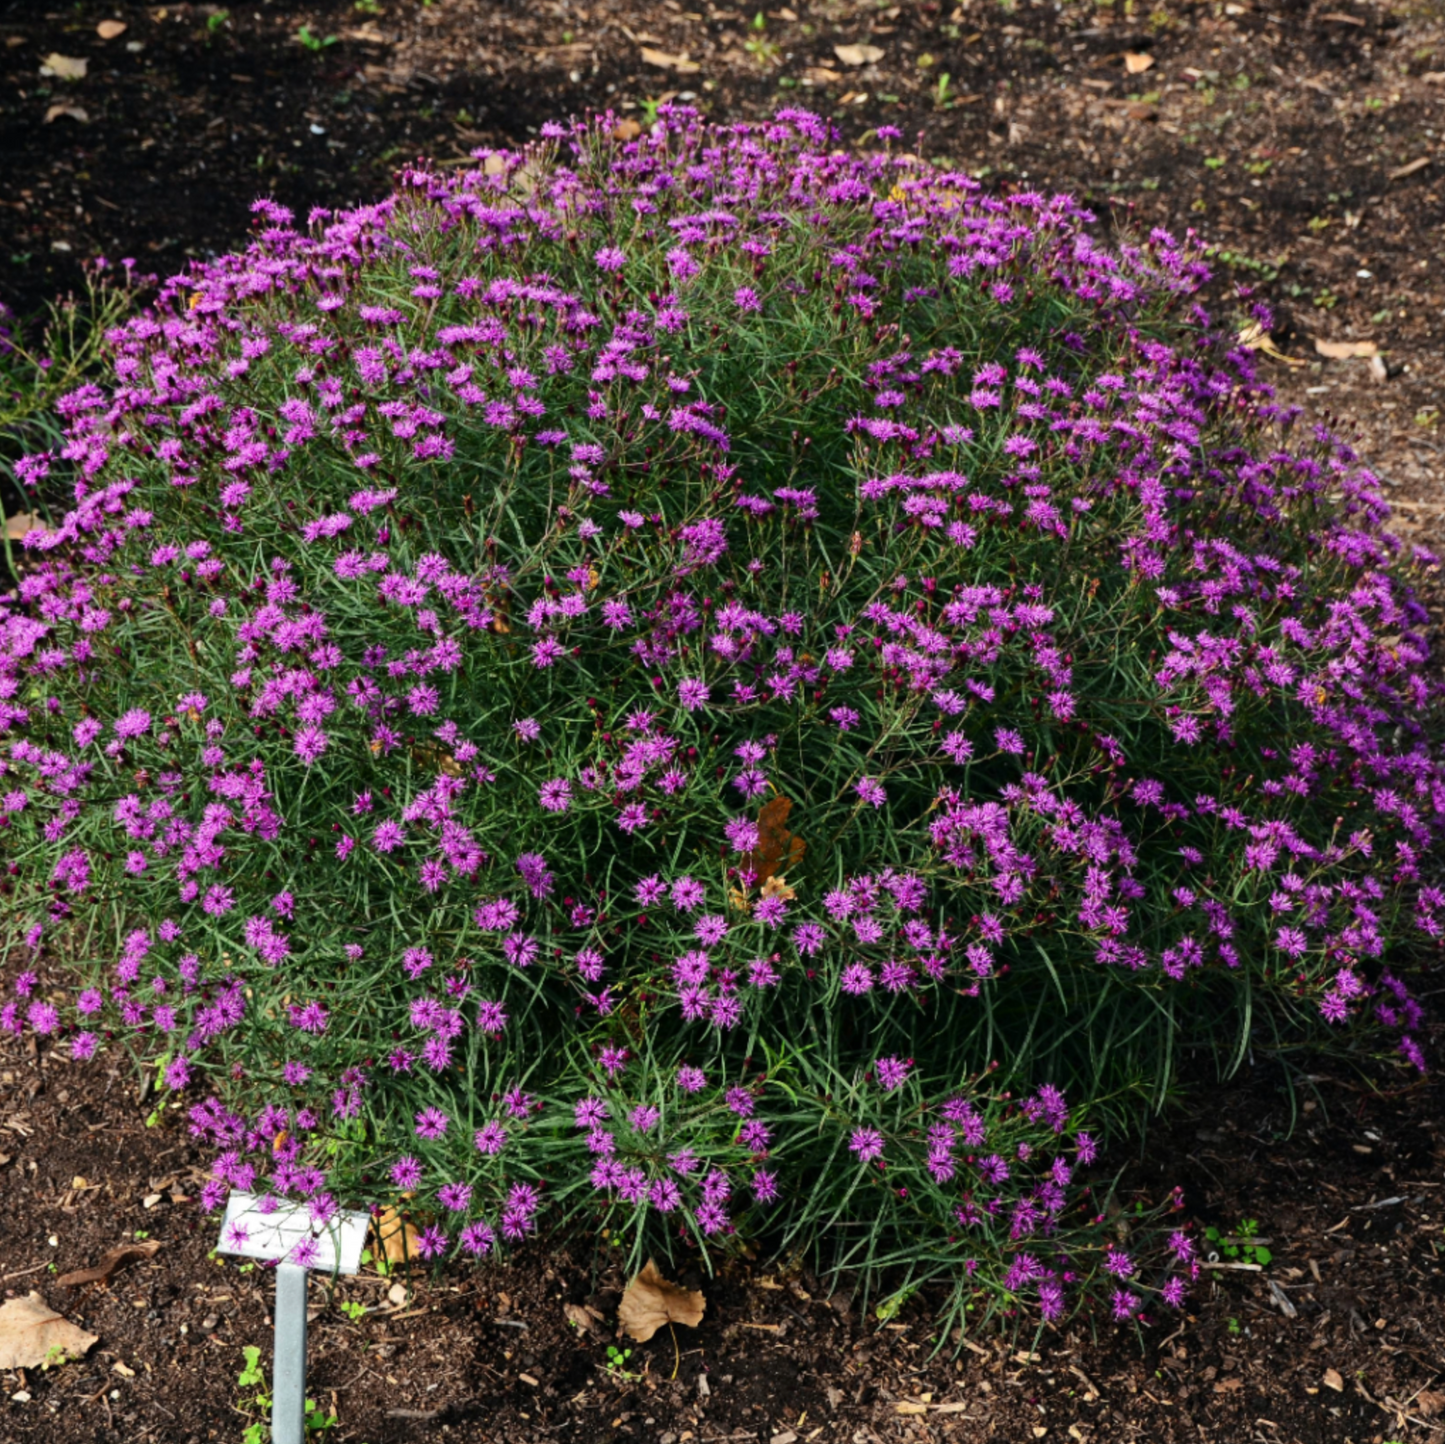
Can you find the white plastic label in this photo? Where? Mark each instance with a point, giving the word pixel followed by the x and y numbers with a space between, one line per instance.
pixel 284 1233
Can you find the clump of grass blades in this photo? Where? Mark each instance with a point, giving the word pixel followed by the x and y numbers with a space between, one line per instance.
pixel 694 686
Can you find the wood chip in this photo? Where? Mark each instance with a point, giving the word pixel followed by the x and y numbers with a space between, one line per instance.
pixel 682 64
pixel 858 54
pixel 1400 172
pixel 1334 1380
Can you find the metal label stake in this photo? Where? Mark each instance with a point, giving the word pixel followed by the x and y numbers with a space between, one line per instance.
pixel 283 1234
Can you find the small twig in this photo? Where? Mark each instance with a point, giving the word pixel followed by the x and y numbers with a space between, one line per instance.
pixel 1248 1267
pixel 20 1273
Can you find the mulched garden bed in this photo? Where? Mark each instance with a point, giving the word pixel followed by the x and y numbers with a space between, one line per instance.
pixel 1289 136
pixel 1337 1339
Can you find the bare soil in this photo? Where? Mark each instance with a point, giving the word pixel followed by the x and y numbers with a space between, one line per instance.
pixel 1291 137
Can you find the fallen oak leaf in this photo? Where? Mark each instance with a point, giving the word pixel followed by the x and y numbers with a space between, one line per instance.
pixel 650 1301
pixel 858 54
pixel 32 1334
pixel 1345 350
pixel 112 1262
pixel 777 849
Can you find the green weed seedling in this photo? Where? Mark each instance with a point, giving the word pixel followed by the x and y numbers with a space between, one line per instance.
pixel 253 1377
pixel 617 1364
pixel 314 43
pixel 1242 1246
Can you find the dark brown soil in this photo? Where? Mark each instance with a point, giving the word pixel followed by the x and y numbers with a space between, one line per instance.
pixel 1351 1202
pixel 1316 118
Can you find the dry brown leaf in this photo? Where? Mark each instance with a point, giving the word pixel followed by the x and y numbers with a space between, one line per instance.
pixel 1345 350
pixel 626 130
pixel 576 1314
pixel 858 54
pixel 821 75
pixel 1137 63
pixel 397 1236
pixel 649 1302
pixel 110 29
pixel 1333 1380
pixel 1429 1403
pixel 19 526
pixel 75 112
pixel 32 1334
pixel 1401 171
pixel 114 1260
pixel 777 849
pixel 1433 77
pixel 682 64
pixel 67 67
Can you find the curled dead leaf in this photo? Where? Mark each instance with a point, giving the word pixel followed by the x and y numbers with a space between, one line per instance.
pixel 75 112
pixel 650 1301
pixel 585 1319
pixel 114 1260
pixel 1255 338
pixel 32 1334
pixel 626 130
pixel 1345 350
pixel 1137 63
pixel 858 54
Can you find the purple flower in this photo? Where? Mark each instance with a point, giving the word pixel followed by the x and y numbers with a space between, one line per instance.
pixel 871 791
pixel 406 1173
pixel 556 795
pixel 693 693
pixel 610 258
pixel 867 1143
pixel 431 1123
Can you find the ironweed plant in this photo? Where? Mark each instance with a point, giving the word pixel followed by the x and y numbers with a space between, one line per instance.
pixel 697 686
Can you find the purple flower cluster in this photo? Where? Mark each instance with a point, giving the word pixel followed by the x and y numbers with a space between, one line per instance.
pixel 623 612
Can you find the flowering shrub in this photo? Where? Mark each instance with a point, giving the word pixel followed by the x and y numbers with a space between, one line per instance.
pixel 690 684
